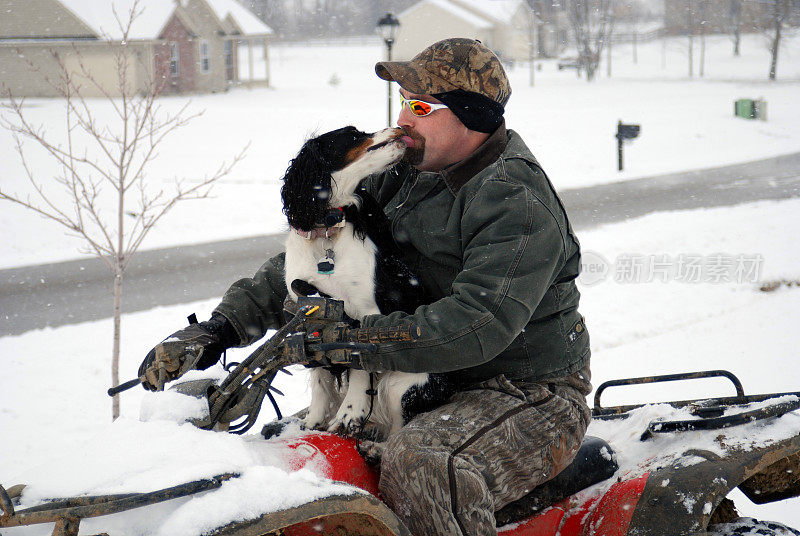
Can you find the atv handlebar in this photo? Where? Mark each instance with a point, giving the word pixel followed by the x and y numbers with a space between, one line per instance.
pixel 318 333
pixel 125 386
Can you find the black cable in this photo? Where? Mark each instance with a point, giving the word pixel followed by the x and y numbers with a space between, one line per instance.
pixel 372 393
pixel 275 405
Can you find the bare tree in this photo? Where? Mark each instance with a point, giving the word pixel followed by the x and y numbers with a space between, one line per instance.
pixel 735 25
pixel 702 25
pixel 592 23
pixel 97 157
pixel 634 16
pixel 775 17
pixel 690 27
pixel 692 16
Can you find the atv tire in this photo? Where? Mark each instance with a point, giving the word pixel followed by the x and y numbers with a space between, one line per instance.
pixel 747 526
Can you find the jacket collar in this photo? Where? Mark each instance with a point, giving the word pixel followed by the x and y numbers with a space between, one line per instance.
pixel 456 175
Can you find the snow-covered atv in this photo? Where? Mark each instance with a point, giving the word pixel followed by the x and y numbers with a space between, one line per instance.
pixel 656 469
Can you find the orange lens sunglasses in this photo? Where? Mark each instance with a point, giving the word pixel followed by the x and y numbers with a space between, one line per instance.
pixel 418 107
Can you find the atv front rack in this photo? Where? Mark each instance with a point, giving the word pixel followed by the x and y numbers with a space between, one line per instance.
pixel 68 513
pixel 711 411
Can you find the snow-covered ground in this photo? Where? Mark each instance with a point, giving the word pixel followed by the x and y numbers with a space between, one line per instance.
pixel 568 123
pixel 692 304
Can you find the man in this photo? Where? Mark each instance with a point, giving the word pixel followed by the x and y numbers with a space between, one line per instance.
pixel 479 221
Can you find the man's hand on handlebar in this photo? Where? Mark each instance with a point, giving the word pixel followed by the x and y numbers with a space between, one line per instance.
pixel 197 346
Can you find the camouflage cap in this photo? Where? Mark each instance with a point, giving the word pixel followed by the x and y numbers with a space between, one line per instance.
pixel 450 64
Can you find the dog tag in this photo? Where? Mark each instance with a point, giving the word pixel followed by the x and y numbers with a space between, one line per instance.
pixel 326 265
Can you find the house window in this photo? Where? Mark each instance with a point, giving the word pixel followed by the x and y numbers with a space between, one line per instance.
pixel 173 58
pixel 228 53
pixel 205 60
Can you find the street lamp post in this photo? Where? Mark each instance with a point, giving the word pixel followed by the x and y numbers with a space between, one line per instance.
pixel 387 26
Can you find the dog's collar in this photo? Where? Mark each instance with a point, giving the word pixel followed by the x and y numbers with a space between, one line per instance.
pixel 329 227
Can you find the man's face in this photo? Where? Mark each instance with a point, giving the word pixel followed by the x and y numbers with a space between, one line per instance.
pixel 438 138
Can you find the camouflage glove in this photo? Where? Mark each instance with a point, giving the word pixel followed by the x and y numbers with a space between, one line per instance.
pixel 197 346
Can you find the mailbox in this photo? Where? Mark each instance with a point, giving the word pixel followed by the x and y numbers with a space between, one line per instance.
pixel 624 132
pixel 627 132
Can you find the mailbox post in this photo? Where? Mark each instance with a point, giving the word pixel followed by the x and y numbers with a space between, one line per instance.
pixel 624 132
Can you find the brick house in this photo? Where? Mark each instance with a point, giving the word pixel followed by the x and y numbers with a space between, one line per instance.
pixel 186 46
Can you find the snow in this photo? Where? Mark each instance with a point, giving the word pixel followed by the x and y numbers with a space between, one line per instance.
pixel 54 411
pixel 172 406
pixel 153 16
pixel 476 21
pixel 678 327
pixel 248 23
pixel 502 10
pixel 132 456
pixel 567 122
pixel 260 489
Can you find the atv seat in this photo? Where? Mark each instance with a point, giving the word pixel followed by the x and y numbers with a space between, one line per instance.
pixel 594 463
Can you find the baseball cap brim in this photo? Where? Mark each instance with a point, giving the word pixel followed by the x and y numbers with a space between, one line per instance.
pixel 412 77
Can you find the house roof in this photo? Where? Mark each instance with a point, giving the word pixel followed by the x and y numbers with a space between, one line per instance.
pixel 244 19
pixel 468 16
pixel 153 15
pixel 100 16
pixel 499 10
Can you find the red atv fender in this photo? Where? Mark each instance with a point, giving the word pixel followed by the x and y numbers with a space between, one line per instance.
pixel 362 513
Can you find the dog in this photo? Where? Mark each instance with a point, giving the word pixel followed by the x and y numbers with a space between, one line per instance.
pixel 340 245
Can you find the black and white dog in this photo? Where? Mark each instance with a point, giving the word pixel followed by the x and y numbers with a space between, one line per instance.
pixel 340 245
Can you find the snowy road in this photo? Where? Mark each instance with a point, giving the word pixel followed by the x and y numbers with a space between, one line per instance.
pixel 76 291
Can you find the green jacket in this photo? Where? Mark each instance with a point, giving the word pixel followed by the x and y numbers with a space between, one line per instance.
pixel 491 243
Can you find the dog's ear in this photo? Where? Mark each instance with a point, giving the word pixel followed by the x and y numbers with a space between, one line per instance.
pixel 307 187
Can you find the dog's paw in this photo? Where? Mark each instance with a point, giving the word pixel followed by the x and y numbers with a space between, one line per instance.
pixel 371 451
pixel 371 431
pixel 315 420
pixel 349 420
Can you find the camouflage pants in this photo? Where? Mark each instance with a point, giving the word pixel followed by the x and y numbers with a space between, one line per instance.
pixel 448 470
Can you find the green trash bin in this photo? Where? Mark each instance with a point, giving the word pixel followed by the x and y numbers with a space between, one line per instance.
pixel 745 108
pixel 750 109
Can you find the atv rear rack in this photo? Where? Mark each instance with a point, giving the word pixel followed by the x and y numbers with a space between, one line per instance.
pixel 711 411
